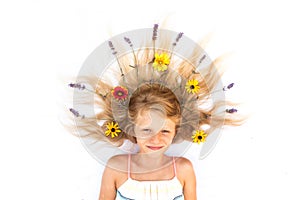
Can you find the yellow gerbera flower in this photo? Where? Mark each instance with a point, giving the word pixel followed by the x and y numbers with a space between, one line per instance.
pixel 112 129
pixel 161 62
pixel 192 86
pixel 199 136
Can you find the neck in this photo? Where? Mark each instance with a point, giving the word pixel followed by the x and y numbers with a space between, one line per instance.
pixel 151 161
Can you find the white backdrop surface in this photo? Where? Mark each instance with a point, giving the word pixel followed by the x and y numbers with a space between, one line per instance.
pixel 44 41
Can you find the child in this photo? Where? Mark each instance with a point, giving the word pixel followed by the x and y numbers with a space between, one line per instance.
pixel 155 111
pixel 158 96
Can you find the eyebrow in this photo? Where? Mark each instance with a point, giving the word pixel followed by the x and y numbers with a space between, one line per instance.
pixel 143 129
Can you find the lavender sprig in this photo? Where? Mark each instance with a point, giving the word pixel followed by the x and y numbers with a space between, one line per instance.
pixel 154 36
pixel 228 87
pixel 77 85
pixel 128 41
pixel 225 88
pixel 200 61
pixel 202 58
pixel 131 45
pixel 231 110
pixel 80 87
pixel 178 38
pixel 114 52
pixel 76 113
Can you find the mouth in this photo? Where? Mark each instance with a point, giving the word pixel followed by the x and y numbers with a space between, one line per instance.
pixel 155 148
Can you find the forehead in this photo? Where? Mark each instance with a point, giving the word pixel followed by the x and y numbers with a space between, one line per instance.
pixel 153 119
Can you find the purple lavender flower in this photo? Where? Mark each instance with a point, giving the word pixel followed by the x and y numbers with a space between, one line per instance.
pixel 110 44
pixel 202 58
pixel 154 36
pixel 178 38
pixel 228 87
pixel 74 112
pixel 231 110
pixel 77 85
pixel 128 41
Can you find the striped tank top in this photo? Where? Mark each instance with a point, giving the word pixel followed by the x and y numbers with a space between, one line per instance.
pixel 150 190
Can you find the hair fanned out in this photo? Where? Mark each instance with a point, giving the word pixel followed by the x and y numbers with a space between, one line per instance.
pixel 135 72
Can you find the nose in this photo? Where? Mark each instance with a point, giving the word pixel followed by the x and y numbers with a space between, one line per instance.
pixel 155 139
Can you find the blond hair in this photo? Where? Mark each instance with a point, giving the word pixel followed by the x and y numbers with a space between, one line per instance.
pixel 148 87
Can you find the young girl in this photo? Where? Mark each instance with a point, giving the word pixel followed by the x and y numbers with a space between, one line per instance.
pixel 156 96
pixel 156 114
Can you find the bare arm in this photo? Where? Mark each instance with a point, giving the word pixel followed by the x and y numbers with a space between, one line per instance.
pixel 189 179
pixel 108 186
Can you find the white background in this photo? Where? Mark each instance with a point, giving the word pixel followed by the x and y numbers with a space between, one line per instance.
pixel 44 43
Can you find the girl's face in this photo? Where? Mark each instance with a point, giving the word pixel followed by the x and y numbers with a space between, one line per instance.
pixel 154 132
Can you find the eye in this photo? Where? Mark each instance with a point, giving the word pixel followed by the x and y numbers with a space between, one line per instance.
pixel 166 131
pixel 146 131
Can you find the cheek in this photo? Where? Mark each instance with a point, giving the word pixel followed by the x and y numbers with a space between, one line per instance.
pixel 140 141
pixel 169 138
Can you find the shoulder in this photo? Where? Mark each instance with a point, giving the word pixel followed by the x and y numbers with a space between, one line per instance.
pixel 184 169
pixel 118 163
pixel 118 158
pixel 113 176
pixel 183 164
pixel 115 171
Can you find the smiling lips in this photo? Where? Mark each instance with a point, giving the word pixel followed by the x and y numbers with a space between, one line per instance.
pixel 154 148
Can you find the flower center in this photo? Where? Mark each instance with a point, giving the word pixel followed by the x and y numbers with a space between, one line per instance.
pixel 120 93
pixel 192 87
pixel 199 137
pixel 113 130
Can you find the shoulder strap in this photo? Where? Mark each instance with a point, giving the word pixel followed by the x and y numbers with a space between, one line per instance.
pixel 174 166
pixel 128 165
